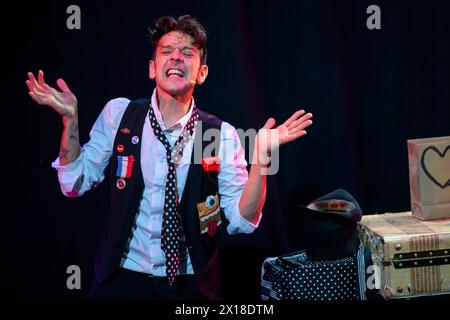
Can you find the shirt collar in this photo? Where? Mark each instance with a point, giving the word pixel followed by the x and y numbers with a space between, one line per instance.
pixel 177 125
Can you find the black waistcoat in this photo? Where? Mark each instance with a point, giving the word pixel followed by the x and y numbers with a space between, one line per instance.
pixel 124 203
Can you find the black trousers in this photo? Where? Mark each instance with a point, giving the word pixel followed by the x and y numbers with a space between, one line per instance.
pixel 131 285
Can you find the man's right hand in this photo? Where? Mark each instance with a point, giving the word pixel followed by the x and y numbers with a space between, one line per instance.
pixel 64 102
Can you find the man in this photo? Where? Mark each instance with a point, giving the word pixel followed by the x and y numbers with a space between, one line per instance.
pixel 160 237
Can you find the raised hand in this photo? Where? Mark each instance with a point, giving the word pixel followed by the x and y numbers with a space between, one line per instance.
pixel 64 102
pixel 293 128
pixel 269 139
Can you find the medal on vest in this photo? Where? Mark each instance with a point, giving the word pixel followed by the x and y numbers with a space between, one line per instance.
pixel 209 215
pixel 125 166
pixel 120 184
pixel 125 130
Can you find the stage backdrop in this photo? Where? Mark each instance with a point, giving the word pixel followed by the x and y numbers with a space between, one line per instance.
pixel 369 91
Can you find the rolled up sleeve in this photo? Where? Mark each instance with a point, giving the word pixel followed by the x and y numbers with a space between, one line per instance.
pixel 87 171
pixel 233 177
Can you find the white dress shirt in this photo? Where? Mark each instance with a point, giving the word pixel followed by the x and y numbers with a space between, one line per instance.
pixel 145 253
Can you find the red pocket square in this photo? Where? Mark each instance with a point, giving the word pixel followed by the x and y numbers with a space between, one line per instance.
pixel 211 164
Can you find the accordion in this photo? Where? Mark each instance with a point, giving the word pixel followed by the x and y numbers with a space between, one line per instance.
pixel 295 277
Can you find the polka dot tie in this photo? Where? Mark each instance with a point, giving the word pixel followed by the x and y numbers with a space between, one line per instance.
pixel 172 230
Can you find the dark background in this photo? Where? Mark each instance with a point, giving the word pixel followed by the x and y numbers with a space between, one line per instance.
pixel 369 91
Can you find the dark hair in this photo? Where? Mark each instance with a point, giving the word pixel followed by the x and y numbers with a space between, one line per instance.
pixel 185 24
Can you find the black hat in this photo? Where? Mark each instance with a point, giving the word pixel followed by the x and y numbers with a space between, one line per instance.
pixel 330 226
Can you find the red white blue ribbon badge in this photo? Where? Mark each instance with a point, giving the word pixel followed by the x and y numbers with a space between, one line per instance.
pixel 124 166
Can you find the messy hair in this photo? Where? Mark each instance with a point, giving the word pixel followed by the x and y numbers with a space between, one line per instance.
pixel 185 24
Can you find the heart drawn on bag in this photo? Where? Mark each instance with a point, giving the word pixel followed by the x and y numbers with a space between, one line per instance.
pixel 427 172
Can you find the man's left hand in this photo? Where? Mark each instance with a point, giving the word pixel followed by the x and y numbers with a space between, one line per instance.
pixel 269 139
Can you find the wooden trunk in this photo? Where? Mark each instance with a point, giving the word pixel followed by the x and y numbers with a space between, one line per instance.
pixel 411 257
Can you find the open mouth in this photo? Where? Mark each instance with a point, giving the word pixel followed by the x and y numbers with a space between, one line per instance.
pixel 174 72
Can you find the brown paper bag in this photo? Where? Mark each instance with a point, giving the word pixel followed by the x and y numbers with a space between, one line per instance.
pixel 429 177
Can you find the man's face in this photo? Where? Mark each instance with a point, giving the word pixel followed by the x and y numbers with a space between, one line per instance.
pixel 176 66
